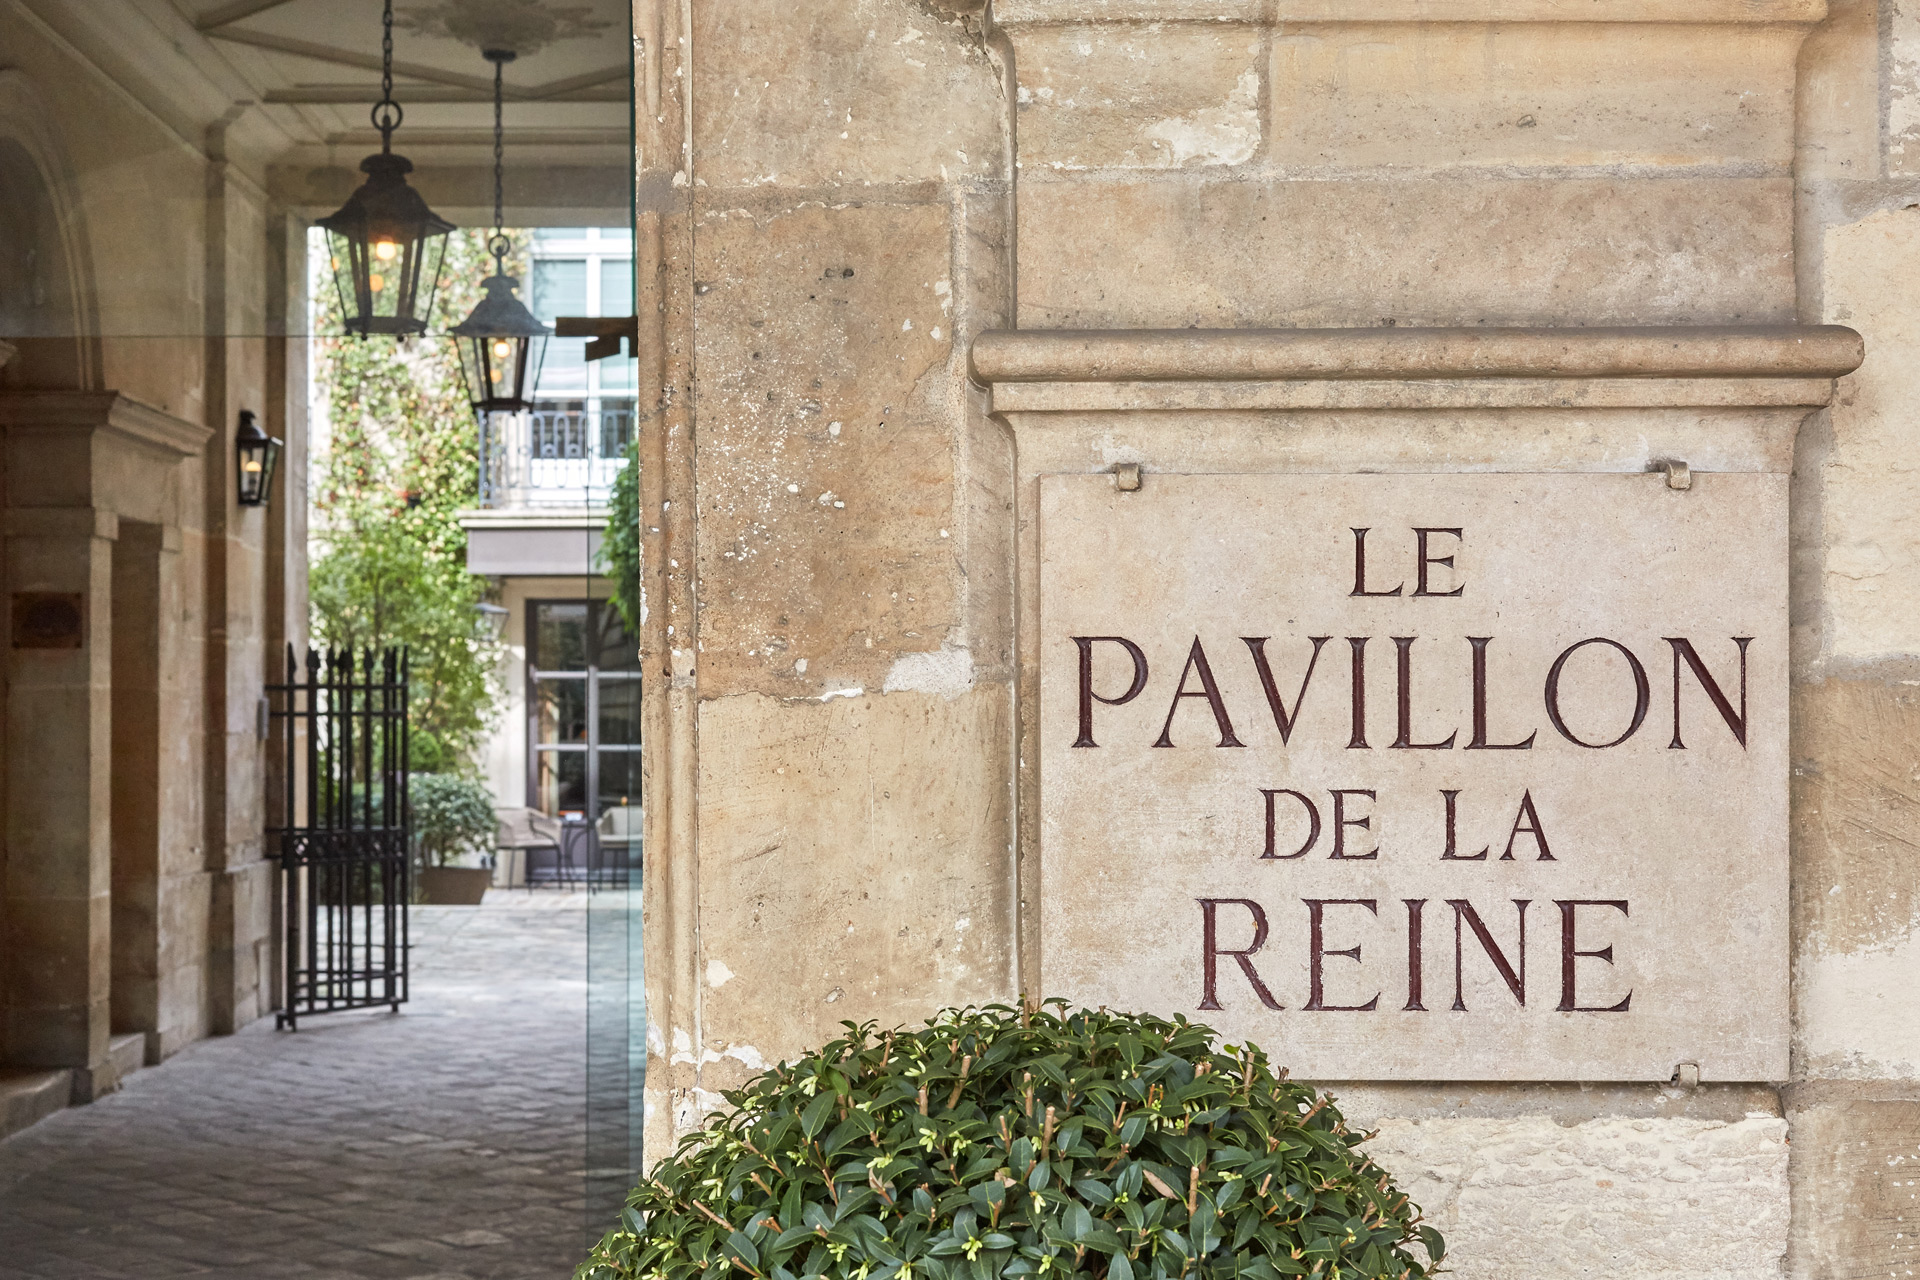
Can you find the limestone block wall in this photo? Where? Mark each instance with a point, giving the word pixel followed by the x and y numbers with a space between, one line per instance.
pixel 1855 1100
pixel 166 252
pixel 836 199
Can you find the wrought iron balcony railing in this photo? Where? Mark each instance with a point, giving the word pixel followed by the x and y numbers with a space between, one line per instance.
pixel 558 455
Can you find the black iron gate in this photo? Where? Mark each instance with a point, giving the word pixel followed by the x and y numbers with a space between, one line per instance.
pixel 341 825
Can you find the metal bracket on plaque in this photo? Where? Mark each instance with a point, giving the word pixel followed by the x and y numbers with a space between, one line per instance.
pixel 1126 477
pixel 1679 474
pixel 1687 1075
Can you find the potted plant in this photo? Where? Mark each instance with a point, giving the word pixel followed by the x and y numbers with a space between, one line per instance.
pixel 452 817
pixel 1012 1143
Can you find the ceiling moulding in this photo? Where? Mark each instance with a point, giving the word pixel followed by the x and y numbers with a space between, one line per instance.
pixel 361 94
pixel 1017 13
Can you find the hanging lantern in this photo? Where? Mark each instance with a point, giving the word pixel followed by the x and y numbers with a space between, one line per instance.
pixel 256 452
pixel 501 344
pixel 385 240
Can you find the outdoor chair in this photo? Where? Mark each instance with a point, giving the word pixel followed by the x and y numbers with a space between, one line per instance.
pixel 528 838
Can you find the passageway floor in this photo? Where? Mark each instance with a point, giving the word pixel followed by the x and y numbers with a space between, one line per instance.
pixel 442 1143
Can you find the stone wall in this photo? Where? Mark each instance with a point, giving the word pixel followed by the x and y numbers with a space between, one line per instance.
pixel 164 299
pixel 839 198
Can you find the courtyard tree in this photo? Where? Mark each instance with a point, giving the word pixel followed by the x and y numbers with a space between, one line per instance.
pixel 400 461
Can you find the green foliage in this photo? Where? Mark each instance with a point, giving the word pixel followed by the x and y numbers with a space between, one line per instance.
pixel 451 816
pixel 401 462
pixel 620 543
pixel 995 1143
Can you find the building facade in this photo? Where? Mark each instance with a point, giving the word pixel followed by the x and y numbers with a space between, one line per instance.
pixel 567 740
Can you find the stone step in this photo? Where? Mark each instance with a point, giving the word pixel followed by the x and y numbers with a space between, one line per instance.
pixel 29 1096
pixel 127 1053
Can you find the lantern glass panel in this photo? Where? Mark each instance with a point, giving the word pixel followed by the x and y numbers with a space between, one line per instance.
pixel 257 458
pixel 386 249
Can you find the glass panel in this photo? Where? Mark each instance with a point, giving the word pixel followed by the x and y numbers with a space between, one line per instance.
pixel 616 373
pixel 560 782
pixel 619 714
pixel 560 289
pixel 616 427
pixel 560 711
pixel 560 636
pixel 621 237
pixel 620 797
pixel 616 287
pixel 618 651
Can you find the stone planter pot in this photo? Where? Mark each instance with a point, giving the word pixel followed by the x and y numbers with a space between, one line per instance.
pixel 454 886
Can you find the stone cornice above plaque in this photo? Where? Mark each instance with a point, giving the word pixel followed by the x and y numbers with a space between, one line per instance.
pixel 108 411
pixel 1221 369
pixel 1019 13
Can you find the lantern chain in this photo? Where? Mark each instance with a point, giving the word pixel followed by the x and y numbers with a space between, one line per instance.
pixel 386 112
pixel 498 244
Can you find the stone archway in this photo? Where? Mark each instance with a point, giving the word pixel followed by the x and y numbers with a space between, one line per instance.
pixel 46 277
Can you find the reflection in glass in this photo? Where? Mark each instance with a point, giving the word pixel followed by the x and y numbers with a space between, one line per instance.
pixel 618 650
pixel 560 636
pixel 560 710
pixel 620 713
pixel 561 782
pixel 620 793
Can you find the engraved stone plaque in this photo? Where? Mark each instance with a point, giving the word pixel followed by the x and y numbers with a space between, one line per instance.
pixel 1404 777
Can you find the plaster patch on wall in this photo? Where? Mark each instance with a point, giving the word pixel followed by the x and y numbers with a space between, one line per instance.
pixel 947 672
pixel 747 1055
pixel 718 975
pixel 1519 1198
pixel 1211 135
pixel 1903 86
pixel 1856 1014
pixel 1872 550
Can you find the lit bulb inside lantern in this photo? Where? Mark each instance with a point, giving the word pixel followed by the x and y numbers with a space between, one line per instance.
pixel 501 349
pixel 385 250
pixel 376 282
pixel 251 464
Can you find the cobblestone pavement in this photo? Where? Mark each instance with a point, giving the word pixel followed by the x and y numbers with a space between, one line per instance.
pixel 445 1143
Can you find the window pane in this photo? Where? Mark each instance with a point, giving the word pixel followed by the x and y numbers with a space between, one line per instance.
pixel 616 373
pixel 561 782
pixel 560 713
pixel 616 287
pixel 565 368
pixel 619 713
pixel 559 287
pixel 560 636
pixel 618 650
pixel 621 236
pixel 620 790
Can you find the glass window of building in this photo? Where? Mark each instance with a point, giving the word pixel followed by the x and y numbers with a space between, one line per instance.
pixel 583 718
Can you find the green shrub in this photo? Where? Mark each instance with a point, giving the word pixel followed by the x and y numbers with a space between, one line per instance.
pixel 991 1143
pixel 451 816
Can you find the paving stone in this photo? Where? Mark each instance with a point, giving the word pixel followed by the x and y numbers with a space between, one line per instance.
pixel 443 1143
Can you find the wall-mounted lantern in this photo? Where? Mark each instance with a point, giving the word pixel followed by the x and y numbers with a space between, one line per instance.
pixel 384 238
pixel 501 344
pixel 257 452
pixel 493 618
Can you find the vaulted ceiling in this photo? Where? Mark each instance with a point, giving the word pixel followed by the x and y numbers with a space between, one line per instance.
pixel 314 68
